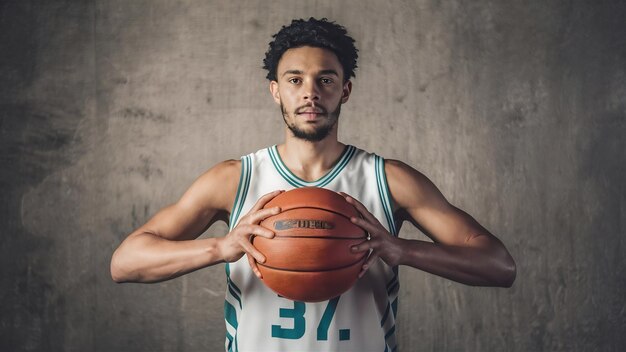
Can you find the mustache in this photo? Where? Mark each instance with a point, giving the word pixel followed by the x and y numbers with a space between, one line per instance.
pixel 318 109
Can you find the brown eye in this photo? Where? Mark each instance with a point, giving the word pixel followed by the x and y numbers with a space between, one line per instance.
pixel 294 80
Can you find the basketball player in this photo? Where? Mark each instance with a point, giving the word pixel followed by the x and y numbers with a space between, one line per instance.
pixel 309 64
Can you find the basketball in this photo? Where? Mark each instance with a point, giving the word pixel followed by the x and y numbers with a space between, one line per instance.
pixel 309 259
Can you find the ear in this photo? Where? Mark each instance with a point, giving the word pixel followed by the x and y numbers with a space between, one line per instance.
pixel 347 89
pixel 275 92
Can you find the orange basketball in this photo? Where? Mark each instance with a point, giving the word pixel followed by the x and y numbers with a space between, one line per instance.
pixel 309 259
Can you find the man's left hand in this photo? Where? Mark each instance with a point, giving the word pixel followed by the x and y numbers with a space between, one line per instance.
pixel 383 244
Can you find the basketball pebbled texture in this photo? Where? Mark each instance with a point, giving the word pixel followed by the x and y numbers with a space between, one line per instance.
pixel 309 259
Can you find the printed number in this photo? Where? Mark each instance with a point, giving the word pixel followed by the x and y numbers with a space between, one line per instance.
pixel 299 324
pixel 329 312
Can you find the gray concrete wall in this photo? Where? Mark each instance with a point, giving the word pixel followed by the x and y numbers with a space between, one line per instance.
pixel 110 109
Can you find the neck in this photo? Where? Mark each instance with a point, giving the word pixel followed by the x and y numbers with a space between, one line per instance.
pixel 310 160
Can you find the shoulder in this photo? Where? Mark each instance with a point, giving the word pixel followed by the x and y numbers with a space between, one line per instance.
pixel 225 170
pixel 216 187
pixel 398 171
pixel 409 187
pixel 222 173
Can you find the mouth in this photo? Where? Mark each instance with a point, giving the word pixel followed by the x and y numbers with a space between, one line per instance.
pixel 310 113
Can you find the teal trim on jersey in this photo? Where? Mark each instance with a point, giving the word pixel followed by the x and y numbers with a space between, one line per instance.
pixel 393 288
pixel 242 189
pixel 230 314
pixel 394 307
pixel 231 283
pixel 229 342
pixel 297 182
pixel 392 282
pixel 240 186
pixel 279 169
pixel 232 292
pixel 385 315
pixel 383 191
pixel 231 318
pixel 390 332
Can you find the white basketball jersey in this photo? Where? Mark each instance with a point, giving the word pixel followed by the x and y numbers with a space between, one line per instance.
pixel 361 319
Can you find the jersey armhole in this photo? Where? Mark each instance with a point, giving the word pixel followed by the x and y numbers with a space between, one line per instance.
pixel 242 190
pixel 383 192
pixel 233 301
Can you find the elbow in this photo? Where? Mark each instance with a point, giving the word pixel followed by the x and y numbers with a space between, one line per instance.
pixel 508 273
pixel 119 272
pixel 125 262
pixel 116 275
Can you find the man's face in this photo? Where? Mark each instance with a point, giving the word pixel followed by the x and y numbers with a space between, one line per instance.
pixel 310 91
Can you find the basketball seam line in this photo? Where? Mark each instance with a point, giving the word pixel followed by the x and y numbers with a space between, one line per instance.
pixel 284 210
pixel 323 237
pixel 314 271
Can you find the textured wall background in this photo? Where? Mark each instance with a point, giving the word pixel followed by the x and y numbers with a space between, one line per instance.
pixel 110 109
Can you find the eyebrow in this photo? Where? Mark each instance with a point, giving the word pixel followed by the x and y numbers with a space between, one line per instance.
pixel 322 72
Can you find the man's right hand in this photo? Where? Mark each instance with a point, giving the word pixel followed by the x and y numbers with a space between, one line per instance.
pixel 238 242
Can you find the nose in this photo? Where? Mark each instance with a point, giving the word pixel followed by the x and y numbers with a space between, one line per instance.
pixel 311 91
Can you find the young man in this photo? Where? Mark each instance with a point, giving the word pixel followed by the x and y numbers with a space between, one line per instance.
pixel 309 66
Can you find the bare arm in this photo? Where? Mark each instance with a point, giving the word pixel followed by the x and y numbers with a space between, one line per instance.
pixel 462 250
pixel 167 245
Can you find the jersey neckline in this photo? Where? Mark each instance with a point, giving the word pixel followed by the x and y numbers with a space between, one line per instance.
pixel 296 181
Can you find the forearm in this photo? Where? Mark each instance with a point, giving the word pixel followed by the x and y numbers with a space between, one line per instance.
pixel 145 257
pixel 474 266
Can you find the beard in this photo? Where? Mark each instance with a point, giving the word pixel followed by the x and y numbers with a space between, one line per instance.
pixel 319 132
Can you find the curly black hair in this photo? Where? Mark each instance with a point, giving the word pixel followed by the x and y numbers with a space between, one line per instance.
pixel 315 33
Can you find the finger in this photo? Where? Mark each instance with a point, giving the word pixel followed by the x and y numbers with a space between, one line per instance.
pixel 361 209
pixel 368 263
pixel 265 199
pixel 366 225
pixel 372 259
pixel 361 247
pixel 250 249
pixel 260 215
pixel 254 266
pixel 246 231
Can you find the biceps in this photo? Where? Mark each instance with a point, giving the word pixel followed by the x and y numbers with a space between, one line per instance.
pixel 450 225
pixel 178 222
